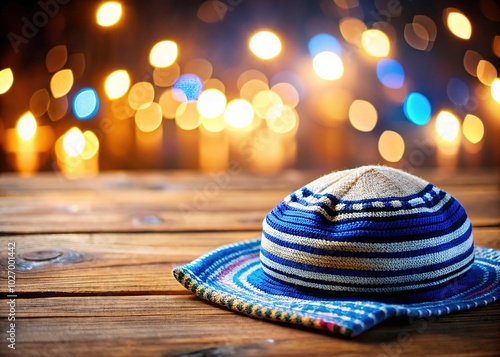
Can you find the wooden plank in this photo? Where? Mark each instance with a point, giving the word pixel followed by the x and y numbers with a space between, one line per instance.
pixel 177 211
pixel 119 264
pixel 186 326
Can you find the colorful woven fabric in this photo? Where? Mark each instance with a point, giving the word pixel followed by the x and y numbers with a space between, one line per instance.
pixel 350 250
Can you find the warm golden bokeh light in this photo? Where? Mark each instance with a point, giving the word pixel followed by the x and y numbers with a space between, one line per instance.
pixel 473 128
pixel 163 54
pixel 109 13
pixel 447 126
pixel 351 29
pixel 211 103
pixel 459 25
pixel 239 113
pixel 265 45
pixel 495 90
pixel 212 11
pixel 58 107
pixel 250 89
pixel 288 93
pixel 117 84
pixel 471 60
pixel 363 115
pixel 214 83
pixel 170 101
pixel 6 80
pixel 496 45
pixel 199 66
pixel 165 77
pixel 214 125
pixel 375 43
pixel 267 104
pixel 91 147
pixel 328 66
pixel 149 117
pixel 61 83
pixel 39 102
pixel 26 126
pixel 140 94
pixel 249 75
pixel 486 72
pixel 331 106
pixel 73 142
pixel 187 116
pixel 286 122
pixel 391 146
pixel 56 58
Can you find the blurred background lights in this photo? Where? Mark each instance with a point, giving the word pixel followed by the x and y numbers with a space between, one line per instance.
pixel 265 45
pixel 473 128
pixel 148 117
pixel 447 126
pixel 211 103
pixel 267 105
pixel 417 108
pixel 187 116
pixel 375 43
pixel 363 115
pixel 239 113
pixel 61 83
pixel 117 84
pixel 6 80
pixel 486 72
pixel 141 93
pixel 495 90
pixel 56 58
pixel 109 13
pixel 166 76
pixel 324 42
pixel 351 29
pixel 328 65
pixel 163 54
pixel 91 147
pixel 39 102
pixel 85 103
pixel 391 146
pixel 458 24
pixel 287 92
pixel 212 11
pixel 457 91
pixel 471 60
pixel 286 122
pixel 73 142
pixel 250 89
pixel 26 126
pixel 190 84
pixel 390 73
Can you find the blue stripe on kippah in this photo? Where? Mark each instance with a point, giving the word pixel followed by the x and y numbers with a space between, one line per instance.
pixel 399 254
pixel 368 273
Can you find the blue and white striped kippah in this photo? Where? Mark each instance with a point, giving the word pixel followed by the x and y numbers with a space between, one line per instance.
pixel 349 250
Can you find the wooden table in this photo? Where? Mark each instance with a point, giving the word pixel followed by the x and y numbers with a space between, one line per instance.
pixel 94 260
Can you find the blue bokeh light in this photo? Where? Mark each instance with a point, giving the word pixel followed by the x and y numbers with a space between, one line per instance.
pixel 190 84
pixel 417 108
pixel 85 103
pixel 390 73
pixel 458 91
pixel 324 42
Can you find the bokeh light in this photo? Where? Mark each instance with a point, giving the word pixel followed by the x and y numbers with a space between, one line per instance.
pixel 6 80
pixel 140 94
pixel 214 125
pixel 39 102
pixel 375 43
pixel 200 67
pixel 166 77
pixel 212 11
pixel 352 29
pixel 287 92
pixel 250 75
pixel 290 77
pixel 187 116
pixel 85 103
pixel 73 142
pixel 91 147
pixel 496 45
pixel 331 107
pixel 391 146
pixel 265 45
pixel 458 24
pixel 363 115
pixel 286 122
pixel 239 113
pixel 109 13
pixel 56 58
pixel 190 84
pixel 26 126
pixel 457 91
pixel 473 128
pixel 416 36
pixel 58 107
pixel 390 73
pixel 211 103
pixel 471 60
pixel 163 54
pixel 170 100
pixel 61 83
pixel 328 66
pixel 250 89
pixel 417 108
pixel 149 117
pixel 267 104
pixel 117 84
pixel 324 42
pixel 495 90
pixel 486 72
pixel 447 126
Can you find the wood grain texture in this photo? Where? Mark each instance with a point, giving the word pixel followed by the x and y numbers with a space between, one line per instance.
pixel 95 258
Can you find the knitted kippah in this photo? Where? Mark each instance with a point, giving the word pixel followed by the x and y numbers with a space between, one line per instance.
pixel 349 250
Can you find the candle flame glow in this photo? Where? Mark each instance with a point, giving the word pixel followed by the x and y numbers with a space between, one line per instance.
pixel 26 126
